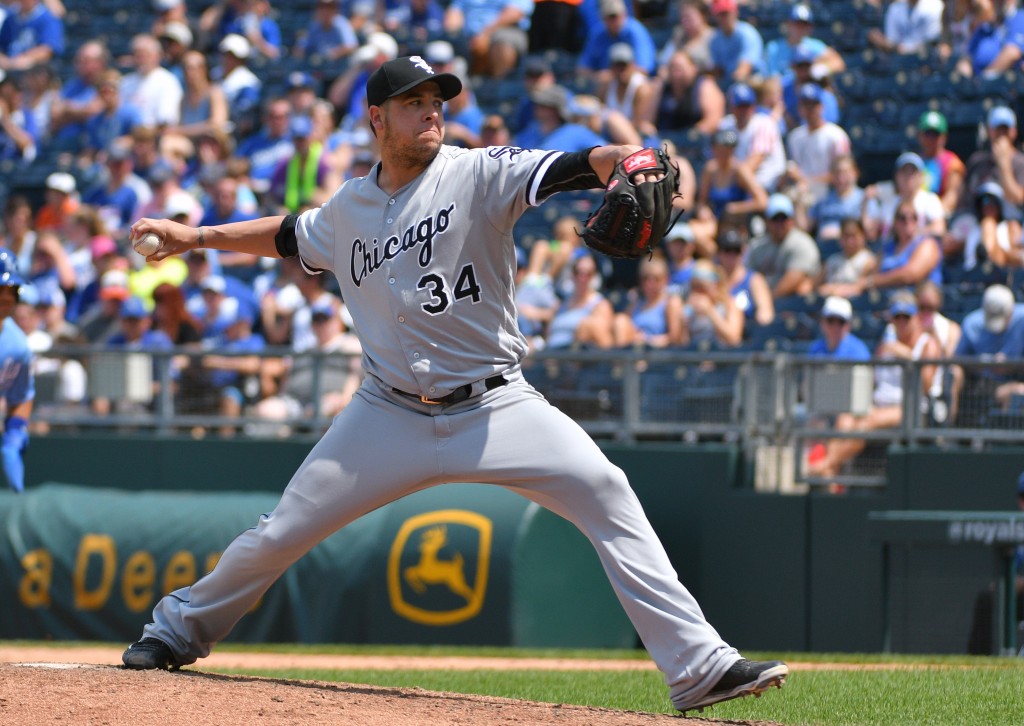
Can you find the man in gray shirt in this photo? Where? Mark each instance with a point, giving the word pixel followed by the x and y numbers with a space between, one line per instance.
pixel 788 257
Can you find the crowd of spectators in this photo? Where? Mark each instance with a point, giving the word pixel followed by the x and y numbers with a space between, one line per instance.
pixel 218 111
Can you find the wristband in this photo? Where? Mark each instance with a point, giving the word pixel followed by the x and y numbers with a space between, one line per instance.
pixel 201 242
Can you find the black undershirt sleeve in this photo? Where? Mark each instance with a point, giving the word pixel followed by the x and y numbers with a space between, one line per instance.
pixel 285 241
pixel 570 172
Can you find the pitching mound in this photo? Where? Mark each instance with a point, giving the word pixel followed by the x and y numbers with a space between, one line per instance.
pixel 68 692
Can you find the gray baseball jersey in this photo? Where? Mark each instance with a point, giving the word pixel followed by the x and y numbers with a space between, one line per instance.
pixel 427 272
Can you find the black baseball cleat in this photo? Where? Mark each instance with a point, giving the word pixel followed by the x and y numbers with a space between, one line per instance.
pixel 149 654
pixel 744 678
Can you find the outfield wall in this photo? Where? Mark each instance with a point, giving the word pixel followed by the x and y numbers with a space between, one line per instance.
pixel 771 572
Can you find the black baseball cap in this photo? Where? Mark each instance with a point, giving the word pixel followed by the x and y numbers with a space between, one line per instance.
pixel 401 74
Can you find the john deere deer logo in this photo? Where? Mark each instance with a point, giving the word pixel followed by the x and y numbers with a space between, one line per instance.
pixel 441 566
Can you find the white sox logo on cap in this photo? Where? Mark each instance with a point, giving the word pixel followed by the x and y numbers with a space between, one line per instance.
pixel 403 74
pixel 420 63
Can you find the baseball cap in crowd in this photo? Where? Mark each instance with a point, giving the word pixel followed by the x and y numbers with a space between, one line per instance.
pixel 1002 116
pixel 378 43
pixel 986 191
pixel 909 158
pixel 61 181
pixel 51 297
pixel 724 6
pixel 802 54
pixel 933 121
pixel 801 14
pixel 779 204
pixel 725 137
pixel 28 294
pixel 902 303
pixel 101 246
pixel 133 307
pixel 997 306
pixel 811 92
pixel 620 53
pixel 213 283
pixel 554 96
pixel 165 5
pixel 837 307
pixel 681 231
pixel 536 65
pixel 300 79
pixel 236 45
pixel 730 240
pixel 402 74
pixel 612 7
pixel 740 94
pixel 179 204
pixel 300 127
pixel 114 285
pixel 178 32
pixel 438 52
pixel 322 310
pixel 159 173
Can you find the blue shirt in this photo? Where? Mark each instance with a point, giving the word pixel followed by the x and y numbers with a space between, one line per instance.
pixel 265 153
pixel 102 129
pixel 21 34
pixel 567 137
pixel 595 53
pixel 211 218
pixel 984 45
pixel 123 199
pixel 481 13
pixel 829 102
pixel 253 343
pixel 16 382
pixel 324 40
pixel 745 44
pixel 832 210
pixel 850 348
pixel 978 340
pixel 269 30
pixel 778 55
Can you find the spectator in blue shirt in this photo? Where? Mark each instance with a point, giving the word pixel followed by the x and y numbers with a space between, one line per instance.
pixel 737 49
pixel 805 70
pixel 114 119
pixel 985 42
pixel 779 52
pixel 234 379
pixel 269 146
pixel 255 25
pixel 17 128
pixel 328 36
pixel 617 27
pixel 78 99
pixel 224 209
pixel 836 340
pixel 551 129
pixel 30 36
pixel 423 20
pixel 995 332
pixel 495 31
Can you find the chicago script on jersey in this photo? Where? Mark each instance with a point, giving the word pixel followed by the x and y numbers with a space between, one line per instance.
pixel 368 257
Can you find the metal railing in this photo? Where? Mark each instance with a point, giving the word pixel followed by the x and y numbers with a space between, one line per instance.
pixel 782 408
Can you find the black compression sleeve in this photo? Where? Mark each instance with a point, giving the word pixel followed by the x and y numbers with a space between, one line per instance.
pixel 570 172
pixel 287 245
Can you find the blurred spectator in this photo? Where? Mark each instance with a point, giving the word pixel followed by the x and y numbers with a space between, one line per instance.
pixel 749 289
pixel 234 377
pixel 553 257
pixel 910 26
pixel 463 119
pixel 19 236
pixel 494 132
pixel 710 314
pixel 679 249
pixel 728 191
pixel 303 94
pixel 348 91
pixel 944 170
pixel 114 119
pixel 167 12
pixel 992 236
pixel 654 316
pixel 556 25
pixel 17 133
pixel 422 19
pixel 626 88
pixel 61 201
pixel 995 333
pixel 692 36
pixel 1008 34
pixel 254 23
pixel 985 42
pixel 907 341
pixel 586 317
pixel 797 34
pixel 846 269
pixel 813 146
pixel 1001 162
pixel 241 86
pixel 608 123
pixel 836 341
pixel 176 40
pixel 104 256
pixel 536 301
pixel 908 186
pixel 101 320
pixel 806 72
pixel 844 200
pixel 30 35
pixel 300 181
pixel 151 89
pixel 910 256
pixel 495 31
pixel 204 107
pixel 78 99
pixel 213 309
pixel 329 35
pixel 40 89
pixel 786 256
pixel 551 129
pixel 947 333
pixel 169 199
pixel 287 317
pixel 119 196
pixel 271 145
pixel 685 98
pixel 760 146
pixel 617 26
pixel 737 49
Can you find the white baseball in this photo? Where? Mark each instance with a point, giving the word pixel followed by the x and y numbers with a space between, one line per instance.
pixel 148 244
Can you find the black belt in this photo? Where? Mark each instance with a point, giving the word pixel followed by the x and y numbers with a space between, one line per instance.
pixel 459 394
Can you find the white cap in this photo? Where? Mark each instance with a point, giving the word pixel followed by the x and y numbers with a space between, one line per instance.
pixel 179 203
pixel 61 181
pixel 376 44
pixel 997 306
pixel 837 307
pixel 438 52
pixel 236 45
pixel 214 283
pixel 177 31
pixel 164 5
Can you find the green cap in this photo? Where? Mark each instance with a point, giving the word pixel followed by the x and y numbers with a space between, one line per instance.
pixel 933 121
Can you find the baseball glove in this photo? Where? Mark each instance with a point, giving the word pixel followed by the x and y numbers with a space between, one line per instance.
pixel 633 218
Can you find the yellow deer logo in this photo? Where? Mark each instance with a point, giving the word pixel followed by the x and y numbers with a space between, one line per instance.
pixel 432 571
pixel 430 533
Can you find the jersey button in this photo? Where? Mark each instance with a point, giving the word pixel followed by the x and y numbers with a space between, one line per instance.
pixel 401 318
pixel 415 355
pixel 391 280
pixel 431 389
pixel 390 220
pixel 391 201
